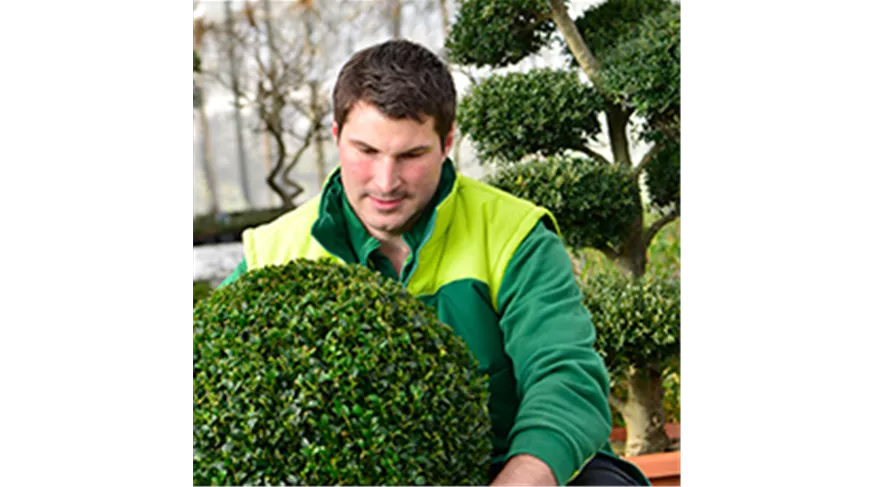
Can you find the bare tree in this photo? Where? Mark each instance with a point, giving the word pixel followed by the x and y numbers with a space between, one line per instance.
pixel 318 106
pixel 235 85
pixel 207 163
pixel 291 53
pixel 394 7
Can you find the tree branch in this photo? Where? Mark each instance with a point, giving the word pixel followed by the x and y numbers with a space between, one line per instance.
pixel 617 119
pixel 616 403
pixel 584 57
pixel 646 160
pixel 213 76
pixel 297 189
pixel 591 153
pixel 609 252
pixel 468 74
pixel 658 224
pixel 301 138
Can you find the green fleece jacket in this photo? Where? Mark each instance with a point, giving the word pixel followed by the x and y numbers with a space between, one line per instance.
pixel 527 327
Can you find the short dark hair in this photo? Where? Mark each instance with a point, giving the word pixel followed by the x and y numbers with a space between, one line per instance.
pixel 401 78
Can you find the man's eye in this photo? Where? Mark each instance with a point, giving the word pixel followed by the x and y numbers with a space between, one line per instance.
pixel 368 150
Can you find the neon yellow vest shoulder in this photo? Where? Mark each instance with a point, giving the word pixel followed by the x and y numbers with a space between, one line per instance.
pixel 477 229
pixel 284 239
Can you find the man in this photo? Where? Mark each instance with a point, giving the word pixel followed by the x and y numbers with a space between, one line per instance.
pixel 492 265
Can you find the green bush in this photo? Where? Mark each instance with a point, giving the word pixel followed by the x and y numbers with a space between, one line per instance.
pixel 606 24
pixel 638 321
pixel 542 111
pixel 201 290
pixel 316 373
pixel 593 203
pixel 643 70
pixel 486 32
pixel 663 177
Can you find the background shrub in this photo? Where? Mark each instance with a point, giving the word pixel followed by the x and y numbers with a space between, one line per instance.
pixel 593 203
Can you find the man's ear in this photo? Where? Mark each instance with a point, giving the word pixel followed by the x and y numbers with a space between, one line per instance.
pixel 448 143
pixel 334 132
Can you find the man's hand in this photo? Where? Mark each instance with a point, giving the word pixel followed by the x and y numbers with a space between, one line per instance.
pixel 525 470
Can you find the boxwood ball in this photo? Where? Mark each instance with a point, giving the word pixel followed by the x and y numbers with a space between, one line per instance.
pixel 317 373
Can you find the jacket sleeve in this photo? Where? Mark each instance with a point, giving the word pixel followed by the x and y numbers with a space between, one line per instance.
pixel 564 417
pixel 237 272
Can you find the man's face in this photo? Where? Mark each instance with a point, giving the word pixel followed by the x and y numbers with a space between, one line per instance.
pixel 390 169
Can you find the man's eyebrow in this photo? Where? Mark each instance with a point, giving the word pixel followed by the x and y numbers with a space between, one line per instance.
pixel 417 149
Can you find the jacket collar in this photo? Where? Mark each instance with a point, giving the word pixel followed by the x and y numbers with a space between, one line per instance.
pixel 342 234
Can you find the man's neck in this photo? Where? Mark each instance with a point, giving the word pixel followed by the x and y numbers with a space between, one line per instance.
pixel 396 250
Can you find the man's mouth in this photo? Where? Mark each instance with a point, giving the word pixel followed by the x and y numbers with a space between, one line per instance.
pixel 386 203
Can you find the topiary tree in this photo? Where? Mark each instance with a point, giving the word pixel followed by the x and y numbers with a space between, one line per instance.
pixel 316 373
pixel 538 127
pixel 638 335
pixel 628 51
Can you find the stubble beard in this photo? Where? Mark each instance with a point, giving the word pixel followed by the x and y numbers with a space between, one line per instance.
pixel 392 229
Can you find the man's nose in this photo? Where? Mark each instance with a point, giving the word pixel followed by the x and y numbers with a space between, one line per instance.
pixel 386 175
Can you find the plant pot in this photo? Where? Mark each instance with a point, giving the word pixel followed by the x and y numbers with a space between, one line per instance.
pixel 660 468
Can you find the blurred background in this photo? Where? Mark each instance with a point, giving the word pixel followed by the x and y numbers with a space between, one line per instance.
pixel 264 71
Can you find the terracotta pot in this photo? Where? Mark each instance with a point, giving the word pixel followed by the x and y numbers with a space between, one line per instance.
pixel 660 468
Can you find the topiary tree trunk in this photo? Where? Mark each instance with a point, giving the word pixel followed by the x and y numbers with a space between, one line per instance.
pixel 643 411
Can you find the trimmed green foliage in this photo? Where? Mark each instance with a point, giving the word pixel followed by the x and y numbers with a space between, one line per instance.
pixel 638 321
pixel 486 32
pixel 201 290
pixel 643 71
pixel 663 176
pixel 541 111
pixel 604 25
pixel 594 203
pixel 316 373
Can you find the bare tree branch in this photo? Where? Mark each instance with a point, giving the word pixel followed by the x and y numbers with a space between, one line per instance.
pixel 658 224
pixel 215 76
pixel 646 160
pixel 301 138
pixel 616 403
pixel 591 153
pixel 575 42
pixel 468 74
pixel 295 158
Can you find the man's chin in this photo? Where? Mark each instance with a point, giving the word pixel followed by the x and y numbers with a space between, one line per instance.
pixel 394 226
pixel 388 227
